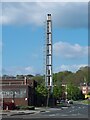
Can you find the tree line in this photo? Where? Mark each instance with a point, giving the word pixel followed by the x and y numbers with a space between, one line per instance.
pixel 66 84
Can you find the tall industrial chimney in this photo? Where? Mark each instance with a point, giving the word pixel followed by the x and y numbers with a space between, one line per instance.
pixel 48 75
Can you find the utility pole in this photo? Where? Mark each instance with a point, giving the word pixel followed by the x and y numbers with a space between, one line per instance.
pixel 48 66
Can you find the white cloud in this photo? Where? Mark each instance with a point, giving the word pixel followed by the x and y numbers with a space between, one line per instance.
pixel 19 70
pixel 29 69
pixel 67 50
pixel 72 68
pixel 45 0
pixel 33 71
pixel 63 14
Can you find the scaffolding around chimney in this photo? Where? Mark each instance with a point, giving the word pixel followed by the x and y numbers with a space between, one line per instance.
pixel 48 64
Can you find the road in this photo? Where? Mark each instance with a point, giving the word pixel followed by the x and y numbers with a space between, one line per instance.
pixel 75 111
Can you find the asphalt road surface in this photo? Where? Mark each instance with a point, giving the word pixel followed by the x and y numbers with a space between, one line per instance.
pixel 75 111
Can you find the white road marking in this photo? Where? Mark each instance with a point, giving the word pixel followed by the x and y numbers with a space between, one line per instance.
pixel 64 115
pixel 73 107
pixel 74 114
pixel 73 110
pixel 52 115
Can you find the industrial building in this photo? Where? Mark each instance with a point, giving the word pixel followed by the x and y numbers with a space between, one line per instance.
pixel 18 91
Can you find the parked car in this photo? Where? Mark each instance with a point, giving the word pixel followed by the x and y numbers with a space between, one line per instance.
pixel 58 101
pixel 70 101
pixel 62 101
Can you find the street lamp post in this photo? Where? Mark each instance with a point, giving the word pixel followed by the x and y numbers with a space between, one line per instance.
pixel 66 93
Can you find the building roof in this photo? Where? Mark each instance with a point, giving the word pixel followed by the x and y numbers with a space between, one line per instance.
pixel 6 82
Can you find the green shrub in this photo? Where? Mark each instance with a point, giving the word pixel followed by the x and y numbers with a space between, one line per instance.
pixel 25 107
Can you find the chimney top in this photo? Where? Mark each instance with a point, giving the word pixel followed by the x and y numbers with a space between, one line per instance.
pixel 49 14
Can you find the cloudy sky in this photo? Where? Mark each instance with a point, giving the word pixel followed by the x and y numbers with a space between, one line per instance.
pixel 45 0
pixel 23 36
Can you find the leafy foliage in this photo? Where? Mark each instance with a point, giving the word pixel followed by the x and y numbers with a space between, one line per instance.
pixel 72 80
pixel 39 79
pixel 41 89
pixel 57 91
pixel 73 92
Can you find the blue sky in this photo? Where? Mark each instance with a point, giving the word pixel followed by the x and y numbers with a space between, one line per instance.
pixel 23 36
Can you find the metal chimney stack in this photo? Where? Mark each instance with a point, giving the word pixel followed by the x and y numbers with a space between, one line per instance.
pixel 48 75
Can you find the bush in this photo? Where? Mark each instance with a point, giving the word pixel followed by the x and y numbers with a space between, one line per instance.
pixel 25 107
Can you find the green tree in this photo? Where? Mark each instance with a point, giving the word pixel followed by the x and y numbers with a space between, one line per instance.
pixel 73 92
pixel 61 76
pixel 41 89
pixel 40 79
pixel 57 91
pixel 89 93
pixel 20 76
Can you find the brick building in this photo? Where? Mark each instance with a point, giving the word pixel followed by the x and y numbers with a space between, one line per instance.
pixel 85 88
pixel 19 91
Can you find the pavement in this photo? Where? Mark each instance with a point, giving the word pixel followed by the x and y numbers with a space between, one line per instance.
pixel 27 112
pixel 74 111
pixel 16 112
pixel 22 112
pixel 38 110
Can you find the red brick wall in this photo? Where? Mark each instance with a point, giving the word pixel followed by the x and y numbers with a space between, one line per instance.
pixel 18 101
